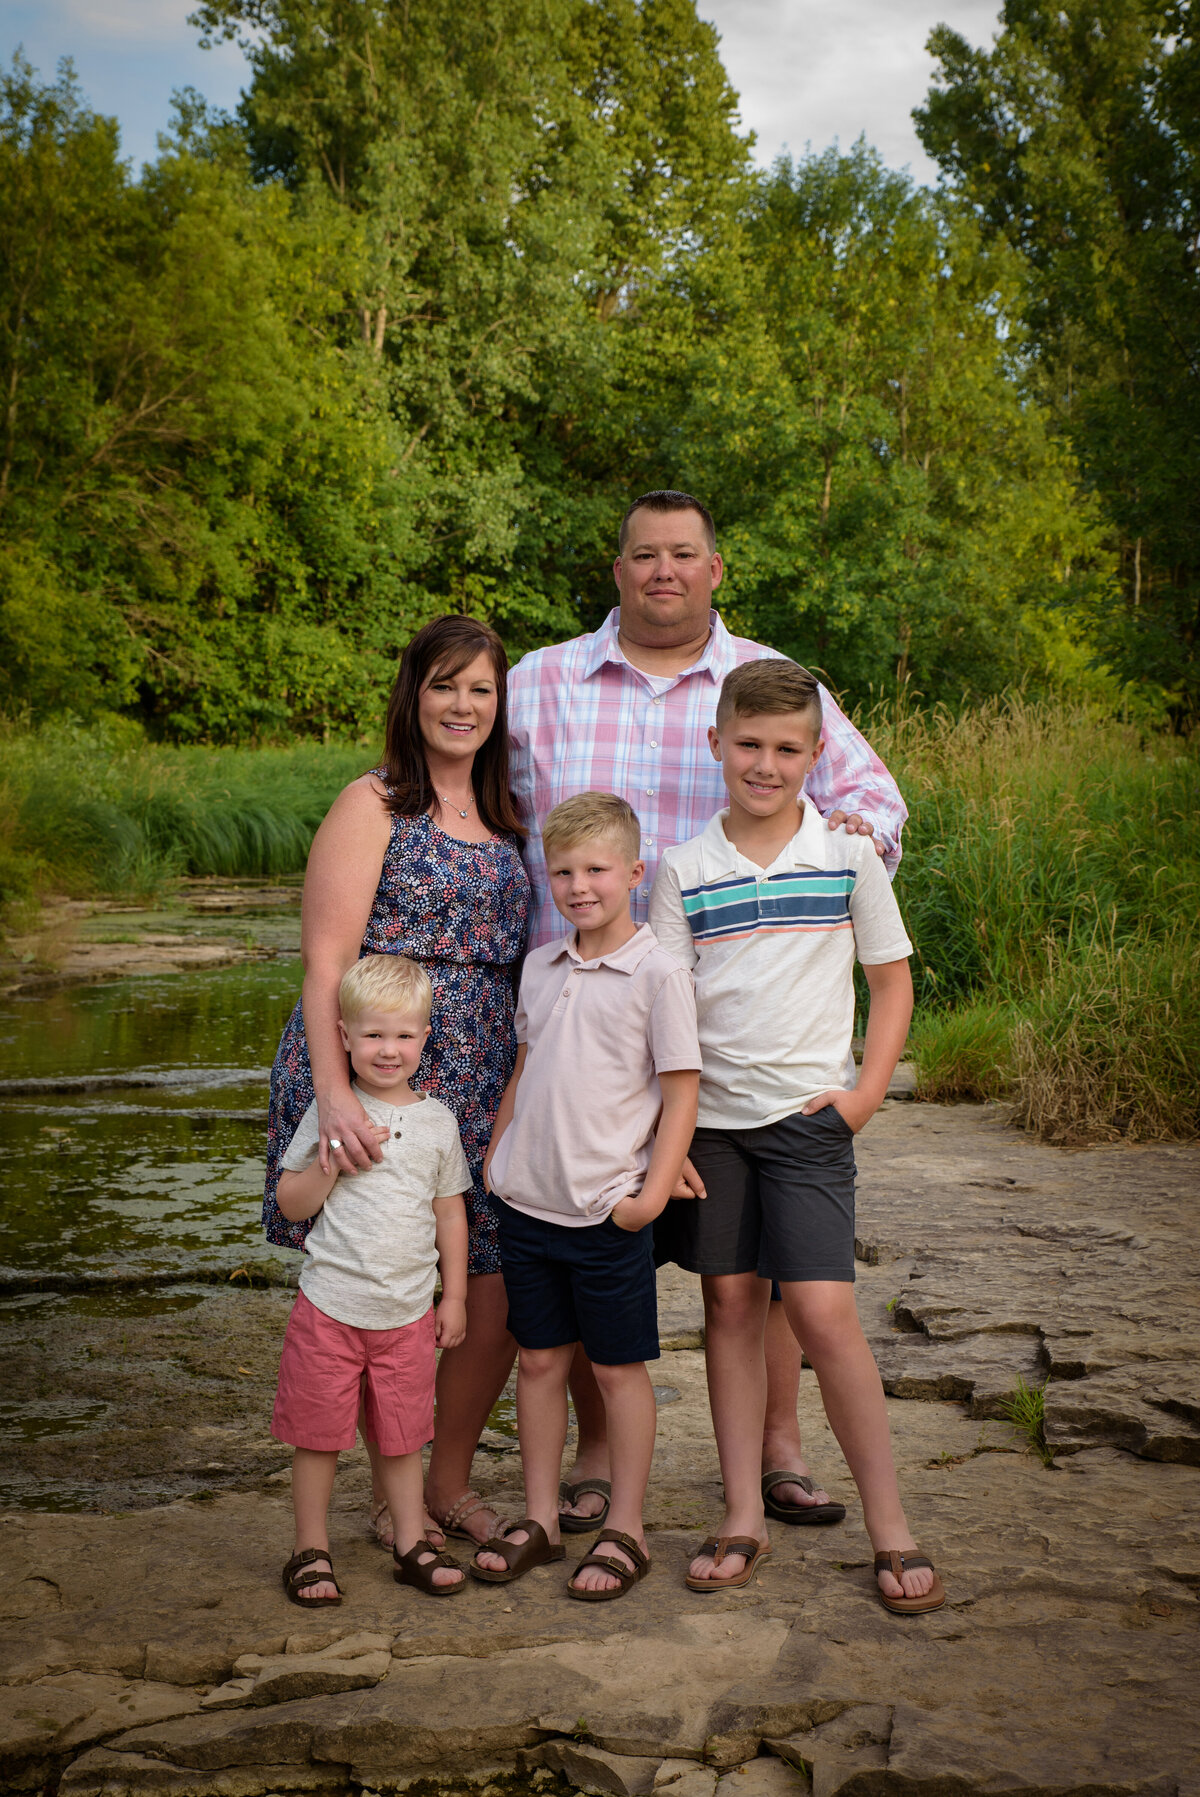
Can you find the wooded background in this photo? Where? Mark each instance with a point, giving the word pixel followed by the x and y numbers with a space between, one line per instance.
pixel 407 333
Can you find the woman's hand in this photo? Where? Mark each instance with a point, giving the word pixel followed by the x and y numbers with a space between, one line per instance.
pixel 450 1323
pixel 342 1120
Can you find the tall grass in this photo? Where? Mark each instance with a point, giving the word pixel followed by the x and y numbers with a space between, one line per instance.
pixel 1051 884
pixel 99 810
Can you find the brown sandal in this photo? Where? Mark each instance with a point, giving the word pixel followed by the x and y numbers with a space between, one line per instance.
pixel 571 1494
pixel 896 1563
pixel 628 1576
pixel 295 1579
pixel 468 1505
pixel 413 1568
pixel 751 1550
pixel 519 1556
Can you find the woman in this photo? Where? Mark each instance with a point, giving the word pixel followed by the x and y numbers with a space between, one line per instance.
pixel 421 858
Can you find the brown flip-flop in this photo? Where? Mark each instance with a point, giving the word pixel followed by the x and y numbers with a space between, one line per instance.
pixel 413 1568
pixel 571 1494
pixel 797 1513
pixel 296 1579
pixel 897 1563
pixel 751 1550
pixel 628 1576
pixel 519 1556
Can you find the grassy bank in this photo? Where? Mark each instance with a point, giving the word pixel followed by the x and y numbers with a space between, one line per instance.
pixel 92 810
pixel 1052 888
pixel 1051 884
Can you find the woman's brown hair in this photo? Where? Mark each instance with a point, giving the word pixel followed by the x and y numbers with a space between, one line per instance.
pixel 446 646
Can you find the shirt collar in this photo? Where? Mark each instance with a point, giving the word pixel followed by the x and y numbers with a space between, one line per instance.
pixel 809 847
pixel 719 657
pixel 625 959
pixel 379 1107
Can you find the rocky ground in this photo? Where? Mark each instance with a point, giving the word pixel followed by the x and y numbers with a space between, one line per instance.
pixel 150 1649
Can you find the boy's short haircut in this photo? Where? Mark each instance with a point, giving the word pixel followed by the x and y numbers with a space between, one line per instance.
pixel 591 816
pixel 765 688
pixel 385 983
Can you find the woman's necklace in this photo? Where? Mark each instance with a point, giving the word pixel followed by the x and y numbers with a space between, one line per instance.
pixel 449 803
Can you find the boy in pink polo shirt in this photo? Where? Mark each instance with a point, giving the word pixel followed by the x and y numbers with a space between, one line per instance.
pixel 588 1144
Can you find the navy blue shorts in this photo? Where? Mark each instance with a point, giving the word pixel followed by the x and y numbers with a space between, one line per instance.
pixel 594 1285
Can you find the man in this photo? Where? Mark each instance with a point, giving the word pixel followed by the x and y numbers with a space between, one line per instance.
pixel 626 710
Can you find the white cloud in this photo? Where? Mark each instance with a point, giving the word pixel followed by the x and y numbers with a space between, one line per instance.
pixel 809 72
pixel 141 22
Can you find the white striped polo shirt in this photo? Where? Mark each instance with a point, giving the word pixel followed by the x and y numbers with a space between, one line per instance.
pixel 772 950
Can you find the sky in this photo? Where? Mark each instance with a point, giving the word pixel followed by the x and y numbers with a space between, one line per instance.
pixel 809 72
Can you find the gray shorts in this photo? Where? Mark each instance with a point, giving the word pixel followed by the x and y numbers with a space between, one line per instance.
pixel 780 1202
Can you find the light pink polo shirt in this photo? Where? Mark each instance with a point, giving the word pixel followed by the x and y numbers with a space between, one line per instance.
pixel 598 1033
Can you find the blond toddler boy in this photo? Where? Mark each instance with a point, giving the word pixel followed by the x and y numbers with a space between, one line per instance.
pixel 364 1315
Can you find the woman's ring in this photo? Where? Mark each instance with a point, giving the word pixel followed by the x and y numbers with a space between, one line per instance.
pixel 333 1142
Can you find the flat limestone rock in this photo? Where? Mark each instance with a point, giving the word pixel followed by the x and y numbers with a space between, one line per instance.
pixel 686 1778
pixel 1064 1660
pixel 591 1769
pixel 285 1676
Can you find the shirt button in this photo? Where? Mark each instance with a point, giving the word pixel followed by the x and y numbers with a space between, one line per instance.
pixel 649 842
pixel 649 792
pixel 657 701
pixel 396 1133
pixel 654 745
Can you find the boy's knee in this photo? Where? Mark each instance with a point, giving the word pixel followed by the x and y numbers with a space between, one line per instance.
pixel 826 1321
pixel 545 1363
pixel 733 1305
pixel 618 1378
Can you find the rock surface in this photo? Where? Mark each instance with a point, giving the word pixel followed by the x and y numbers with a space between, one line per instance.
pixel 153 1651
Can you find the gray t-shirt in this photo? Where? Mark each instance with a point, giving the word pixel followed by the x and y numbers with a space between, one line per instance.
pixel 371 1255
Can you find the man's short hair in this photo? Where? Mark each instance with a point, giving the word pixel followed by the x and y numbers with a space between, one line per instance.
pixel 385 983
pixel 666 499
pixel 768 687
pixel 592 816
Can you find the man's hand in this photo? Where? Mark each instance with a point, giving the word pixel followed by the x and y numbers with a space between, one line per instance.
pixel 689 1184
pixel 450 1323
pixel 849 1105
pixel 856 825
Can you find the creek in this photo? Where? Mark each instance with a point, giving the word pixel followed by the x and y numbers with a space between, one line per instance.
pixel 132 1129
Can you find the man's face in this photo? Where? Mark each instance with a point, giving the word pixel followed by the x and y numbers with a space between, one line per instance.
pixel 666 575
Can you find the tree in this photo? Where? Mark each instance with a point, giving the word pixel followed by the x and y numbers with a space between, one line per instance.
pixel 1075 139
pixel 849 394
pixel 192 486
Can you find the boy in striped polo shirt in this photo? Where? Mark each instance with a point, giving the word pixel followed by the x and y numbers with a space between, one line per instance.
pixel 771 911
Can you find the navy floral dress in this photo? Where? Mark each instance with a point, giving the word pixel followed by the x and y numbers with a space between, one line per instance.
pixel 460 909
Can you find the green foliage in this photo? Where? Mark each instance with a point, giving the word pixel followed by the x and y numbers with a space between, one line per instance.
pixel 1076 139
pixel 892 503
pixel 1107 1046
pixel 405 336
pixel 86 810
pixel 1025 1410
pixel 1051 885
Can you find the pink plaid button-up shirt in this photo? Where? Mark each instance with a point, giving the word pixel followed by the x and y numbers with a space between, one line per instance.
pixel 583 719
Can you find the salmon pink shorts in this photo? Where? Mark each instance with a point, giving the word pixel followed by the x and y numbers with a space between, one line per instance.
pixel 326 1364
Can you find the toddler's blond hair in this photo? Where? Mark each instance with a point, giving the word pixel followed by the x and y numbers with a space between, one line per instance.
pixel 592 816
pixel 385 983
